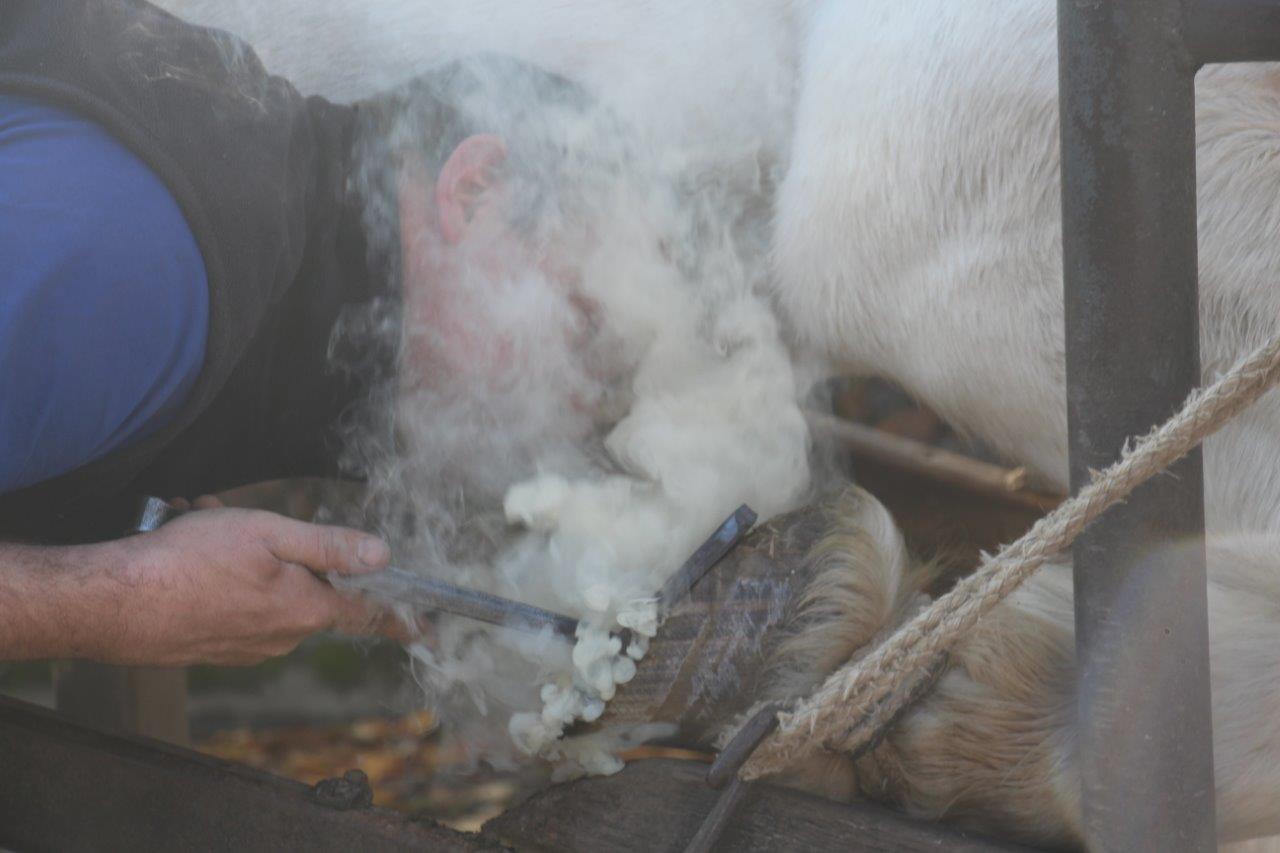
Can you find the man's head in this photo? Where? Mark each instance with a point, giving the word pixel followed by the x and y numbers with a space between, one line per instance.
pixel 483 183
pixel 481 172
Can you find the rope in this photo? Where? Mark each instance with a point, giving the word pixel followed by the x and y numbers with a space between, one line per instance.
pixel 870 691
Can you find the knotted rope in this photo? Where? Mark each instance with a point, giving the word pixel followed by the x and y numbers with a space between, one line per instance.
pixel 861 699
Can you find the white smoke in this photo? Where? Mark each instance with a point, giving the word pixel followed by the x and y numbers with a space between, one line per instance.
pixel 704 73
pixel 605 447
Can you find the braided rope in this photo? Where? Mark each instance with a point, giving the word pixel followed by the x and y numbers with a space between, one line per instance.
pixel 871 690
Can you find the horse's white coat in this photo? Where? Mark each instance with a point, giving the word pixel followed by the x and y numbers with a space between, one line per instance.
pixel 918 237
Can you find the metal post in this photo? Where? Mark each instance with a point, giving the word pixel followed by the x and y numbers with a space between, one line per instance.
pixel 1129 215
pixel 1233 30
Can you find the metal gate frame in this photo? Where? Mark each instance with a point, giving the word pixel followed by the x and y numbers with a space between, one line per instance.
pixel 1127 73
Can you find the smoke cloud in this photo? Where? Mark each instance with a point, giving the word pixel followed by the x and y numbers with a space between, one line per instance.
pixel 622 383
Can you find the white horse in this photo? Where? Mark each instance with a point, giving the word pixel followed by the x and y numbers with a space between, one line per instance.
pixel 917 237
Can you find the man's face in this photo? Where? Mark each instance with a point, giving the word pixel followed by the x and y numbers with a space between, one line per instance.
pixel 487 307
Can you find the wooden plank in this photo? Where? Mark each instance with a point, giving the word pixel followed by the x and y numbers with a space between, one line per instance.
pixel 160 703
pixel 141 700
pixel 658 805
pixel 68 787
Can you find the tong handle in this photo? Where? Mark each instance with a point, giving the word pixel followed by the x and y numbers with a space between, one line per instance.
pixel 153 513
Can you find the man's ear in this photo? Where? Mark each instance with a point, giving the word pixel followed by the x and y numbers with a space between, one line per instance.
pixel 465 183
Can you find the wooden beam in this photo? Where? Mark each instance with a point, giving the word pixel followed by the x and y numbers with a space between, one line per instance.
pixel 66 786
pixel 925 460
pixel 659 805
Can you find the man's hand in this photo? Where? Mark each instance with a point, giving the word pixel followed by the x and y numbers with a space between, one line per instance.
pixel 222 586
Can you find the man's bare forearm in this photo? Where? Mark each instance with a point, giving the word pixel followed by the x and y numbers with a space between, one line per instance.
pixel 218 586
pixel 57 602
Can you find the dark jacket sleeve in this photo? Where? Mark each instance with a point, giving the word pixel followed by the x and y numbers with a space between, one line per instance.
pixel 261 174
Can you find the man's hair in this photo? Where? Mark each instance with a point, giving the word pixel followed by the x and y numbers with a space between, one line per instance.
pixel 558 138
pixel 563 149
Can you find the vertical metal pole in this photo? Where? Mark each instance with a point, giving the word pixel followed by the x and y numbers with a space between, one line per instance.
pixel 1129 216
pixel 1233 30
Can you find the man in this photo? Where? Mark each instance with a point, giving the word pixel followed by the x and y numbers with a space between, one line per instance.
pixel 179 235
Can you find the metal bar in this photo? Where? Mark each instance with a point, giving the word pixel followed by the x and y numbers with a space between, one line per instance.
pixel 725 539
pixel 712 830
pixel 1129 217
pixel 1233 30
pixel 724 771
pixel 740 748
pixel 428 594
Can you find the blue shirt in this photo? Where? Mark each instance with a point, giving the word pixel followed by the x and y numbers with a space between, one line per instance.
pixel 103 297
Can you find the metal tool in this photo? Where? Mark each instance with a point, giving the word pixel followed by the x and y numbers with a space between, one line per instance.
pixel 748 738
pixel 398 586
pixel 708 554
pixel 153 513
pixel 724 771
pixel 729 763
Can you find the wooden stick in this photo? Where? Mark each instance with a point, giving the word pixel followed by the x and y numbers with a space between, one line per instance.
pixel 954 469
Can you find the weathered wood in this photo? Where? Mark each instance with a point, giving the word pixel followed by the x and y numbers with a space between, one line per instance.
pixel 142 700
pixel 68 787
pixel 658 805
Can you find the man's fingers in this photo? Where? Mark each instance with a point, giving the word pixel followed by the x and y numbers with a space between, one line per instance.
pixel 327 608
pixel 392 627
pixel 324 608
pixel 202 502
pixel 359 617
pixel 324 549
pixel 356 616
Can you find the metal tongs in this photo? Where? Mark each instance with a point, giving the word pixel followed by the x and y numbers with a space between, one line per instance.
pixel 429 595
